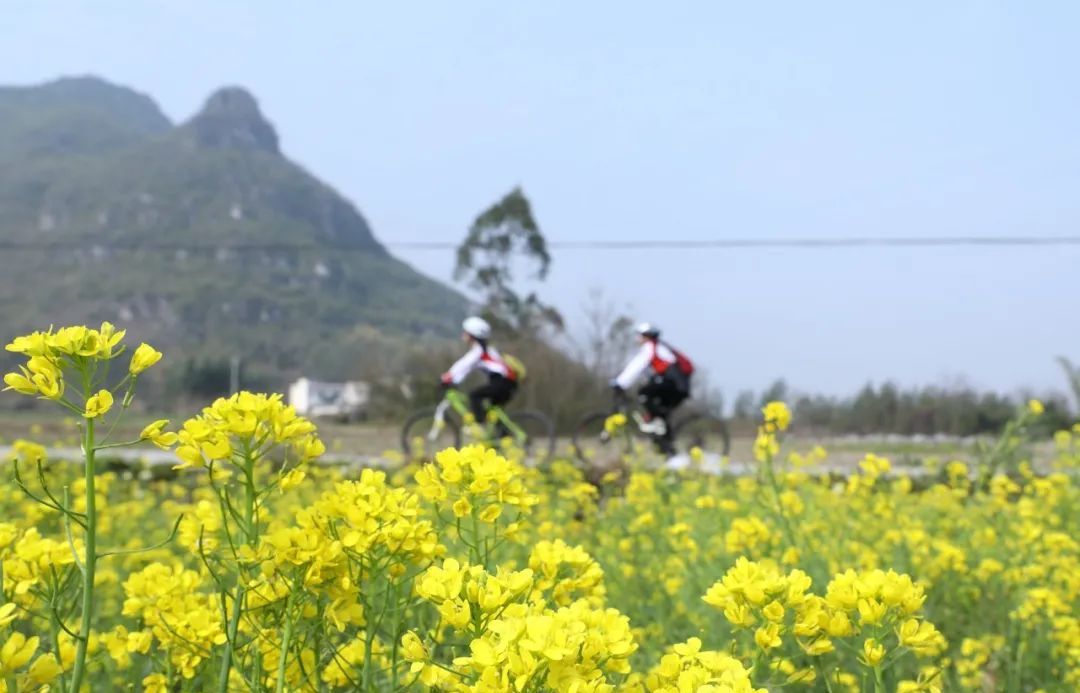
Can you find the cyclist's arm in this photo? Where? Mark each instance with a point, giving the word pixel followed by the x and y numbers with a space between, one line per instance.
pixel 634 369
pixel 463 366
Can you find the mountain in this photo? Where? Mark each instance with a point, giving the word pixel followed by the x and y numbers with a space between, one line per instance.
pixel 80 115
pixel 201 237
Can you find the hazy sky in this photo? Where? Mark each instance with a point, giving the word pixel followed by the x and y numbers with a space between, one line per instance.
pixel 694 120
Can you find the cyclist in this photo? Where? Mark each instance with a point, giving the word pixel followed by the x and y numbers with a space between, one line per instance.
pixel 667 387
pixel 502 379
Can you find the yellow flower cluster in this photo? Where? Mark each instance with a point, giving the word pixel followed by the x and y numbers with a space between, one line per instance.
pixel 475 480
pixel 776 419
pixel 49 354
pixel 880 607
pixel 28 451
pixel 689 668
pixel 468 597
pixel 32 561
pixel 575 648
pixel 198 529
pixel 16 652
pixel 244 426
pixel 181 619
pixel 370 514
pixel 748 536
pixel 358 519
pixel 566 573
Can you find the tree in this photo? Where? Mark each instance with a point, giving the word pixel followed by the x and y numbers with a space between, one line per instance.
pixel 608 335
pixel 503 235
pixel 1072 373
pixel 777 392
pixel 744 405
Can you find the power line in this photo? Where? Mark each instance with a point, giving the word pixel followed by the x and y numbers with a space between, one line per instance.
pixel 735 243
pixel 651 244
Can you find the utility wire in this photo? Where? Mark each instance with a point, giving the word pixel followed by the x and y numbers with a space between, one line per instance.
pixel 730 243
pixel 652 244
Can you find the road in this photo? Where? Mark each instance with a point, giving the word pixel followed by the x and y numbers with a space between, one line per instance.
pixel 841 463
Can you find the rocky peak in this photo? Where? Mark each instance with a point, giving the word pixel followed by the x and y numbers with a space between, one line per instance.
pixel 231 119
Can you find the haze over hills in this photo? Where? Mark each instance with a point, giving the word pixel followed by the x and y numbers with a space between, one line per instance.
pixel 201 237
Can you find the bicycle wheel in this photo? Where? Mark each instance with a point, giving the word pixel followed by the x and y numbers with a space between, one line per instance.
pixel 539 431
pixel 422 437
pixel 707 433
pixel 595 444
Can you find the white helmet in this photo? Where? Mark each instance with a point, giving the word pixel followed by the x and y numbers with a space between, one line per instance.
pixel 647 329
pixel 476 327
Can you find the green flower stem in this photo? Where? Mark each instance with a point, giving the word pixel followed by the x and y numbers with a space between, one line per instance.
pixel 398 611
pixel 89 563
pixel 476 540
pixel 823 674
pixel 238 602
pixel 55 632
pixel 1018 666
pixel 879 680
pixel 774 484
pixel 286 636
pixel 369 640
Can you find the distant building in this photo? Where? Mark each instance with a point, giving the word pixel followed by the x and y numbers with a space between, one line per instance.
pixel 348 401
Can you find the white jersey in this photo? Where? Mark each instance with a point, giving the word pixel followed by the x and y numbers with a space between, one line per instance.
pixel 653 354
pixel 487 359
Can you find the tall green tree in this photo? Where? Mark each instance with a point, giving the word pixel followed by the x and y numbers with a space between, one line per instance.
pixel 505 237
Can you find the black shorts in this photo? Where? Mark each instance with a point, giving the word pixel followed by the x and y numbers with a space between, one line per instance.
pixel 664 392
pixel 497 392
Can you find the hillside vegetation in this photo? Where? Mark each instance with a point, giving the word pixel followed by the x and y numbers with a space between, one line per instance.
pixel 201 237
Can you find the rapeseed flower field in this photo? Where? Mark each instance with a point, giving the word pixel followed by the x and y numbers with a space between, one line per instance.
pixel 256 568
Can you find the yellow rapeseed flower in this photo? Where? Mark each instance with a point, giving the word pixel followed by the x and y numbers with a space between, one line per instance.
pixel 777 416
pixel 156 434
pixel 98 405
pixel 767 636
pixel 155 683
pixel 292 479
pixel 21 383
pixel 614 423
pixel 873 652
pixel 7 614
pixel 144 357
pixel 413 648
pixel 16 653
pixel 43 671
pixel 921 637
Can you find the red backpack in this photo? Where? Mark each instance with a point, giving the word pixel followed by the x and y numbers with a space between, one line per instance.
pixel 682 362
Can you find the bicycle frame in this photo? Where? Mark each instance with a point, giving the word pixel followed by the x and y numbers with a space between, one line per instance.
pixel 634 412
pixel 631 410
pixel 459 402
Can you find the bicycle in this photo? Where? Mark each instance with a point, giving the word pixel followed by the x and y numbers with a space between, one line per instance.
pixel 436 428
pixel 622 431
